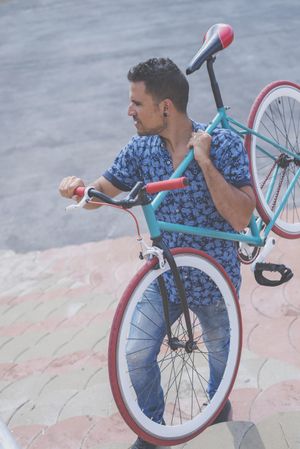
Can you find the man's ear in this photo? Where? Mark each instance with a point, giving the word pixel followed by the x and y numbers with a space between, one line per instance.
pixel 166 107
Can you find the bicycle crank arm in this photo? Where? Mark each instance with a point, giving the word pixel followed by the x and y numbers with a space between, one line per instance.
pixel 270 243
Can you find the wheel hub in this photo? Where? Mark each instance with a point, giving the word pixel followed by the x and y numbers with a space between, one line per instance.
pixel 175 344
pixel 283 161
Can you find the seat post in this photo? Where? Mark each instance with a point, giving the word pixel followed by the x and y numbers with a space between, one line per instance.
pixel 214 84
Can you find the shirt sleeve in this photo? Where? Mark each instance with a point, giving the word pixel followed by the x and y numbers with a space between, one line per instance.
pixel 230 157
pixel 124 172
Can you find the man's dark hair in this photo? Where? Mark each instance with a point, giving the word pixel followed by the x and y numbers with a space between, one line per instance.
pixel 163 79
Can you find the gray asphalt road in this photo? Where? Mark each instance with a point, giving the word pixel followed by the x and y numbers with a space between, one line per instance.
pixel 64 93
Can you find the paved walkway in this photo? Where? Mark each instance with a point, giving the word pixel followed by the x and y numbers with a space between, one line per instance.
pixel 57 307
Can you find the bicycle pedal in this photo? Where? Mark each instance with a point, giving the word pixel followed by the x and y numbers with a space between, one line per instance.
pixel 285 272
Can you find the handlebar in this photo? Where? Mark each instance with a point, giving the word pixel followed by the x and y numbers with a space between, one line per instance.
pixel 169 184
pixel 137 196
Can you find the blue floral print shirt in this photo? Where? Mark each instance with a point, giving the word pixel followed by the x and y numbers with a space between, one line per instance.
pixel 146 159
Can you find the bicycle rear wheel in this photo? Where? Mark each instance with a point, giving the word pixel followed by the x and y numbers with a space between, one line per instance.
pixel 183 375
pixel 275 114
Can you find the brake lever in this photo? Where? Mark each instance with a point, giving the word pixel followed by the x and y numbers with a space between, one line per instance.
pixel 135 191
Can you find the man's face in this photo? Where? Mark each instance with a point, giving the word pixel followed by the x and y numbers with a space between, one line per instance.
pixel 146 113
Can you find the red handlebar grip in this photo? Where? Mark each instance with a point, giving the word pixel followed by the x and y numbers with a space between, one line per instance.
pixel 79 191
pixel 170 184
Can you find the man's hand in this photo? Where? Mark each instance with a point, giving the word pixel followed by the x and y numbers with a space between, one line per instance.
pixel 68 185
pixel 201 142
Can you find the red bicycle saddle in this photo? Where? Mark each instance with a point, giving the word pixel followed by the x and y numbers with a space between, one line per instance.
pixel 218 37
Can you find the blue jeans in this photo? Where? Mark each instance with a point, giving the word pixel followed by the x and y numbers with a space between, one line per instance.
pixel 146 335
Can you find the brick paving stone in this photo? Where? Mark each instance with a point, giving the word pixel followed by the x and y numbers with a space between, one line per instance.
pixel 276 371
pixel 95 400
pixel 270 338
pixel 15 313
pixel 108 430
pixel 269 302
pixel 67 434
pixel 280 397
pixel 294 334
pixel 45 409
pixel 52 366
pixel 71 318
pixel 27 434
pixel 84 432
pixel 26 387
pixel 291 293
pixel 242 400
pixel 35 346
pixel 248 371
pixel 77 379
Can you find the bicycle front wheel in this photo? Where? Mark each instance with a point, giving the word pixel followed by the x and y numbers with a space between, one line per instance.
pixel 182 375
pixel 276 115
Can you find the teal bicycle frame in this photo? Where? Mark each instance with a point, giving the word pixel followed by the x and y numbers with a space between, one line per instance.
pixel 253 238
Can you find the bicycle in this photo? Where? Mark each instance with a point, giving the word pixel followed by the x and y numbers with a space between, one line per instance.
pixel 183 359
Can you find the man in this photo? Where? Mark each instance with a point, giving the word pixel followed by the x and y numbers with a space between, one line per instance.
pixel 220 195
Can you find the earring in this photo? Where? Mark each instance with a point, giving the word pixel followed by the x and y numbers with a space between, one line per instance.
pixel 165 114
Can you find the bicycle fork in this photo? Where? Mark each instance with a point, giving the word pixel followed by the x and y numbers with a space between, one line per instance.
pixel 174 342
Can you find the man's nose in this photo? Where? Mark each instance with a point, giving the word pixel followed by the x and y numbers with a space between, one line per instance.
pixel 131 111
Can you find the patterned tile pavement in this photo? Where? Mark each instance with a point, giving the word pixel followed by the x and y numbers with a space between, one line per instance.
pixel 57 307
